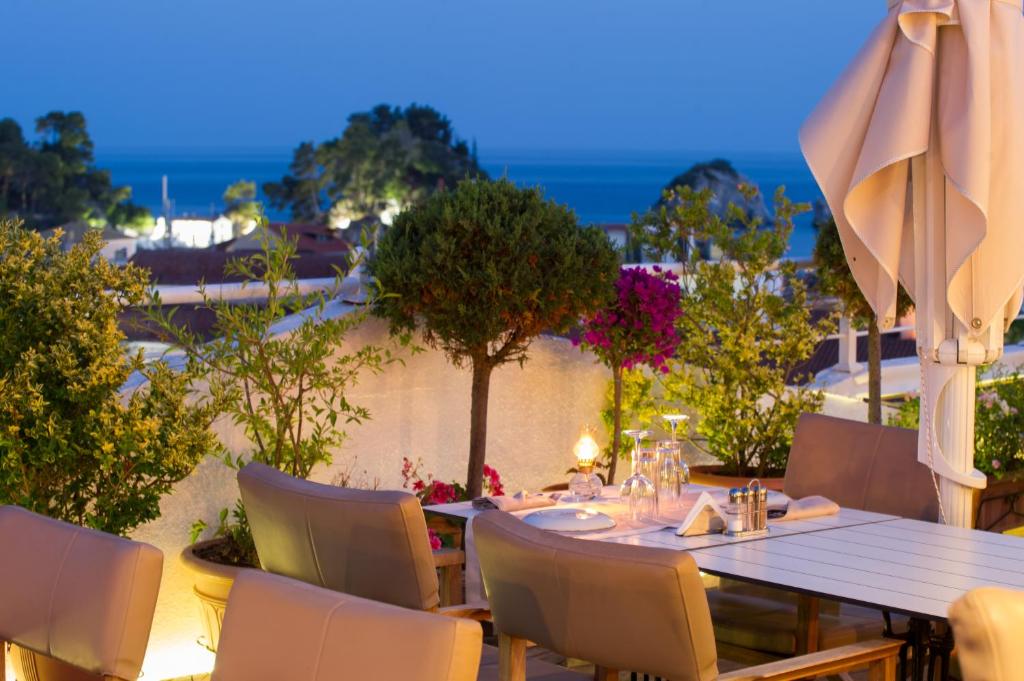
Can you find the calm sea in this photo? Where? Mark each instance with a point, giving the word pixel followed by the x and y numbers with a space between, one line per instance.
pixel 601 186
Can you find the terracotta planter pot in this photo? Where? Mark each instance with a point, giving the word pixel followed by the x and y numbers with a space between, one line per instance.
pixel 211 583
pixel 999 506
pixel 712 475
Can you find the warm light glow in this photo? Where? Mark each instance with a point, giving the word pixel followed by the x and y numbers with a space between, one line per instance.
pixel 177 662
pixel 586 450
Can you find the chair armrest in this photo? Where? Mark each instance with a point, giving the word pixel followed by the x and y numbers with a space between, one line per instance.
pixel 879 654
pixel 479 611
pixel 449 557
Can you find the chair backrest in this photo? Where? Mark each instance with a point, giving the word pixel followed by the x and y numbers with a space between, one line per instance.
pixel 278 628
pixel 366 543
pixel 860 465
pixel 621 607
pixel 986 626
pixel 77 595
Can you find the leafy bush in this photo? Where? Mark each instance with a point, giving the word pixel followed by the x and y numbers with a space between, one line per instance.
pixel 481 271
pixel 745 330
pixel 285 387
pixel 71 445
pixel 998 424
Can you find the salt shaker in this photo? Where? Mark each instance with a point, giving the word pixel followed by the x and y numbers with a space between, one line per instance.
pixel 735 511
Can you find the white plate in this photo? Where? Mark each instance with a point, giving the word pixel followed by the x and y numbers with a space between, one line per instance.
pixel 569 520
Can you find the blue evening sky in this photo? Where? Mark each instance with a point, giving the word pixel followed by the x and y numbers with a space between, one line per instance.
pixel 712 75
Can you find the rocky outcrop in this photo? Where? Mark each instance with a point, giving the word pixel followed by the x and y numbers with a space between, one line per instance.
pixel 723 180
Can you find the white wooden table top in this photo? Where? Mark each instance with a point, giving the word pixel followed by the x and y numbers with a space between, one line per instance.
pixel 880 561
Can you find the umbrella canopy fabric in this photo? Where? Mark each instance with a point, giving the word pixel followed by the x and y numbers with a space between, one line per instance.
pixel 919 151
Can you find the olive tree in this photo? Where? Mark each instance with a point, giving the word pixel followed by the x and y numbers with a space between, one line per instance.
pixel 483 269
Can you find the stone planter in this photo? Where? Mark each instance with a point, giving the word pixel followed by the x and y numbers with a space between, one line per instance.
pixel 712 475
pixel 211 583
pixel 999 506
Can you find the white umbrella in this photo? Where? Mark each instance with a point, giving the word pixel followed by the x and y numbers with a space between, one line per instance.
pixel 919 150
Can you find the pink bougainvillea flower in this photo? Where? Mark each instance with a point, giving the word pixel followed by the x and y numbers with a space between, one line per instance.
pixel 435 540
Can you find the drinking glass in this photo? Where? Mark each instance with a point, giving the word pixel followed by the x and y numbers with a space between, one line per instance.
pixel 643 499
pixel 671 475
pixel 639 491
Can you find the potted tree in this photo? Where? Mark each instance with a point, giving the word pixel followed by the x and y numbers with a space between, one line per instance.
pixel 637 328
pixel 276 370
pixel 75 444
pixel 745 332
pixel 480 271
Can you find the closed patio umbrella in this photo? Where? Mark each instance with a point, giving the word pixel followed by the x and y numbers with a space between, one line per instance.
pixel 919 151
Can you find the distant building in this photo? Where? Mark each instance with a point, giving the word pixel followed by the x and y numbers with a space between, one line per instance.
pixel 190 232
pixel 118 247
pixel 309 238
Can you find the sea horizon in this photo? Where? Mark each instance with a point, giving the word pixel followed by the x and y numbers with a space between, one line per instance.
pixel 603 186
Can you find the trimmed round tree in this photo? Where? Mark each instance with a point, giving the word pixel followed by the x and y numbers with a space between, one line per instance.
pixel 637 328
pixel 483 269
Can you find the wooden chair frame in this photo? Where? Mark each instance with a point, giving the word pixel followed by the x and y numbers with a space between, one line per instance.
pixel 879 656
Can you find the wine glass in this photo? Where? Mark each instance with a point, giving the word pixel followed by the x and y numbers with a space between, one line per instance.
pixel 671 476
pixel 639 491
pixel 684 470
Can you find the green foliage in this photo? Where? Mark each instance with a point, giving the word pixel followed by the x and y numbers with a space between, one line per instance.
pixel 746 327
pixel 386 159
pixel 482 270
pixel 232 525
pixel 836 279
pixel 53 181
pixel 240 204
pixel 998 423
pixel 640 407
pixel 71 445
pixel 287 389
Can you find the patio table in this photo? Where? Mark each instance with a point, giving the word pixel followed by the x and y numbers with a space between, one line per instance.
pixel 891 564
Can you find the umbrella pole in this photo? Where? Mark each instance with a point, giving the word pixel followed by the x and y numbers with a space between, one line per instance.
pixel 955 434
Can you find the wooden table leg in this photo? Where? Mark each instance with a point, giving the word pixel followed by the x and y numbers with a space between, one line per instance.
pixel 807 624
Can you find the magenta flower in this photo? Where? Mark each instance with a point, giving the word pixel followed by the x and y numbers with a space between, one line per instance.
pixel 639 327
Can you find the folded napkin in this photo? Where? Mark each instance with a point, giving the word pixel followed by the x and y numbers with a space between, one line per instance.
pixel 810 507
pixel 517 502
pixel 705 517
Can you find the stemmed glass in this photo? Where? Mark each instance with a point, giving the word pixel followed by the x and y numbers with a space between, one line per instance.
pixel 672 472
pixel 639 491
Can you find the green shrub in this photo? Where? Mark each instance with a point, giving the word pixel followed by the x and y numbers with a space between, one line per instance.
pixel 71 445
pixel 746 327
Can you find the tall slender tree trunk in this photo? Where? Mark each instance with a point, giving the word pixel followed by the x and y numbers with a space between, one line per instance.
pixel 478 425
pixel 874 371
pixel 616 422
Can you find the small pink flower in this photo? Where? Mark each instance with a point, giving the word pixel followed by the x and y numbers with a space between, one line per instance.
pixel 996 464
pixel 435 540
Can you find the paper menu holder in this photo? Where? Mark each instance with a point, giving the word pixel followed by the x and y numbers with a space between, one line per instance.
pixel 705 517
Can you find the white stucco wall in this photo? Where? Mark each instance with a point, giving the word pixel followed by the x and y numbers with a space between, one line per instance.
pixel 420 410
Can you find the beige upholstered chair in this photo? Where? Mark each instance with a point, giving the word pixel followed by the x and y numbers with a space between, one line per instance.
pixel 860 465
pixel 987 625
pixel 857 465
pixel 621 608
pixel 372 544
pixel 77 603
pixel 277 628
